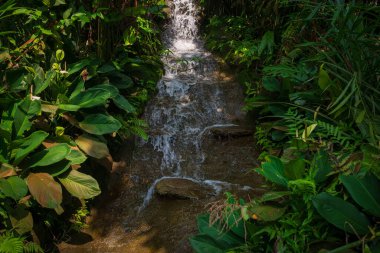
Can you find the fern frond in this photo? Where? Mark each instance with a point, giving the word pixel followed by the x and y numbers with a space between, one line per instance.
pixel 11 244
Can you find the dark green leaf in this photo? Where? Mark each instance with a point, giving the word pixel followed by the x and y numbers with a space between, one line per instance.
pixel 27 145
pixel 273 170
pixel 365 191
pixel 341 214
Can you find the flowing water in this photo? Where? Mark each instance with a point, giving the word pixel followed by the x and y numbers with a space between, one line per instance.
pixel 195 100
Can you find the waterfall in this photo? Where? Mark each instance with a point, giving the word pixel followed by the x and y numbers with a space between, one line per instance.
pixel 188 101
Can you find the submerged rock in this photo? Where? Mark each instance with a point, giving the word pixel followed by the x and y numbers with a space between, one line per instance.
pixel 231 131
pixel 182 188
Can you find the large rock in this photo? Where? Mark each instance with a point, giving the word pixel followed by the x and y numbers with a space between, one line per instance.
pixel 231 131
pixel 182 188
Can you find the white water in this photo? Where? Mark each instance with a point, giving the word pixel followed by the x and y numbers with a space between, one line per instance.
pixel 188 102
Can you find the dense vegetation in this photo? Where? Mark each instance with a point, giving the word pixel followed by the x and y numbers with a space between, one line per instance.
pixel 75 76
pixel 311 71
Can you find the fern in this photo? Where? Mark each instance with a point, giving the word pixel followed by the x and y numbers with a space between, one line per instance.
pixel 15 244
pixel 11 244
pixel 336 134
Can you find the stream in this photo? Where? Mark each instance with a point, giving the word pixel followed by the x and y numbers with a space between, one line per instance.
pixel 200 145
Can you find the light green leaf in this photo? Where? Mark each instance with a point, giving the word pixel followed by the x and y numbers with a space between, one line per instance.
pixel 50 155
pixel 76 157
pixel 27 145
pixel 25 110
pixel 307 132
pixel 80 185
pixel 13 187
pixel 100 124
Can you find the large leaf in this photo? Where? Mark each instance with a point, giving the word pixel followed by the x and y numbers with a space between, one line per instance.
pixel 274 171
pixel 124 104
pixel 365 191
pixel 80 185
pixel 50 155
pixel 91 98
pixel 28 144
pixel 46 191
pixel 100 124
pixel 25 110
pixel 13 187
pixel 55 169
pixel 21 219
pixel 295 169
pixel 92 146
pixel 321 166
pixel 204 244
pixel 341 214
pixel 226 239
pixel 324 80
pixel 265 212
pixel 76 156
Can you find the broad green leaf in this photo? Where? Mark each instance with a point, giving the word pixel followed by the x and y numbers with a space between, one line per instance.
pixel 76 157
pixel 321 166
pixel 21 219
pixel 55 169
pixel 78 66
pixel 46 191
pixel 123 104
pixel 225 239
pixel 204 244
pixel 80 185
pixel 270 196
pixel 100 124
pixel 273 170
pixel 295 169
pixel 25 110
pixel 271 84
pixel 92 146
pixel 341 214
pixel 106 68
pixel 13 187
pixel 365 191
pixel 110 88
pixel 265 212
pixel 50 155
pixel 27 145
pixel 91 98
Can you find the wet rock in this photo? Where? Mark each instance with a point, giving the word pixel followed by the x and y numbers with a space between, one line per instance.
pixel 231 132
pixel 182 188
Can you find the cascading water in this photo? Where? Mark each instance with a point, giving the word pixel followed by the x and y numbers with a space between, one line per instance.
pixel 188 103
pixel 195 101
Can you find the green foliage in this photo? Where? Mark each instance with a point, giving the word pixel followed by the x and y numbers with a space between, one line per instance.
pixel 311 75
pixel 71 86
